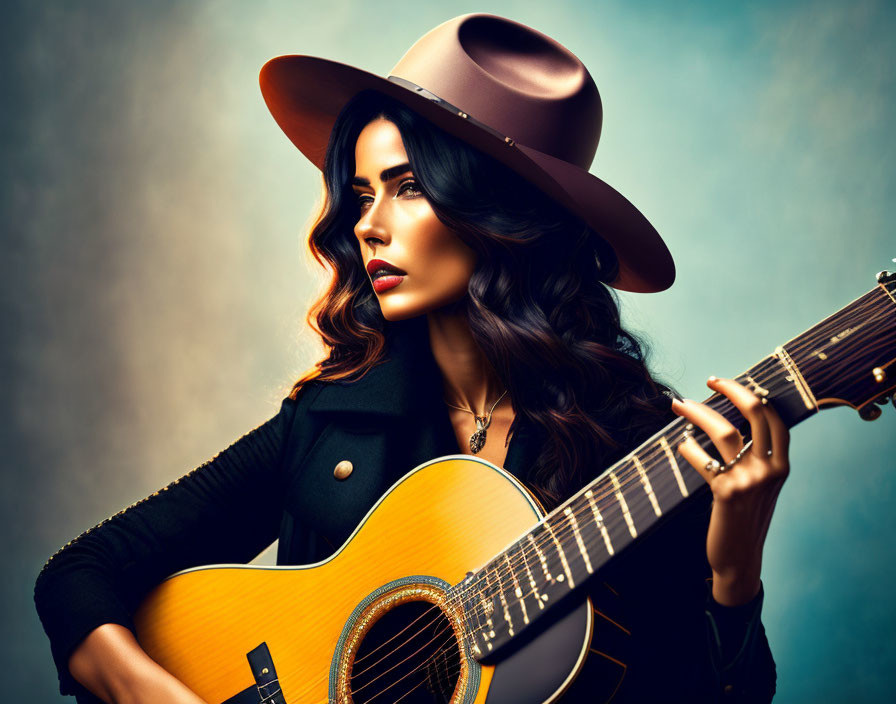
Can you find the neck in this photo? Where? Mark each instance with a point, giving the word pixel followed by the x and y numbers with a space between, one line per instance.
pixel 469 380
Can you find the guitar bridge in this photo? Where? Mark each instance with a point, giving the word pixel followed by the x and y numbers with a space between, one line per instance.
pixel 266 689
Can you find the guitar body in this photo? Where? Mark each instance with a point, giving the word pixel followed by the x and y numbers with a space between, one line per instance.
pixel 375 621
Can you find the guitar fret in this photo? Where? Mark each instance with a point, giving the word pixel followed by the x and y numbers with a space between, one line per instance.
pixel 504 605
pixel 797 378
pixel 674 464
pixel 599 520
pixel 542 560
pixel 532 582
pixel 478 613
pixel 488 608
pixel 578 535
pixel 625 512
pixel 648 489
pixel 887 291
pixel 516 589
pixel 562 557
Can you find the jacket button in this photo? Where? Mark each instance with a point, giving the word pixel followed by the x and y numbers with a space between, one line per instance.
pixel 342 470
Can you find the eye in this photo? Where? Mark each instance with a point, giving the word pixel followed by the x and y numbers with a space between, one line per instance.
pixel 364 200
pixel 409 186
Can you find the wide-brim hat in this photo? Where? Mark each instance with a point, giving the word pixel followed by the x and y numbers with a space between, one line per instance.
pixel 504 88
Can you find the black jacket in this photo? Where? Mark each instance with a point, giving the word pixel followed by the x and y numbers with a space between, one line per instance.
pixel 658 634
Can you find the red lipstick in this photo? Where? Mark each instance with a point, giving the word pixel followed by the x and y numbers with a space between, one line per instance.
pixel 384 275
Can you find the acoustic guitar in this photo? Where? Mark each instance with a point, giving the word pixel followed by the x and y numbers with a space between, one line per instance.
pixel 479 596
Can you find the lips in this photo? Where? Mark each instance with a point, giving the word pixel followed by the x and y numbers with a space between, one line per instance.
pixel 378 268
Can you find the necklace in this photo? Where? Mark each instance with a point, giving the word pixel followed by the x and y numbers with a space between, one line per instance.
pixel 477 439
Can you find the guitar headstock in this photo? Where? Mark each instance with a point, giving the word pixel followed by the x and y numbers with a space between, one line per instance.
pixel 850 357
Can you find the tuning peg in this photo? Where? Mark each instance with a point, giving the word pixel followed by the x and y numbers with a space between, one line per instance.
pixel 884 277
pixel 869 412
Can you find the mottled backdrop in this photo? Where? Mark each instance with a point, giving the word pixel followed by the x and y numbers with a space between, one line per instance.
pixel 155 282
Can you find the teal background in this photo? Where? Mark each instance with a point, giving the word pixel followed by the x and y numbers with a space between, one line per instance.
pixel 155 281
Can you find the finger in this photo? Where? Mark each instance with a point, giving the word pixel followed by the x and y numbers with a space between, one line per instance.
pixel 751 407
pixel 723 435
pixel 780 440
pixel 697 457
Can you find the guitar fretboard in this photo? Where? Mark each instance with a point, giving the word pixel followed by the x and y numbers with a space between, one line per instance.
pixel 574 541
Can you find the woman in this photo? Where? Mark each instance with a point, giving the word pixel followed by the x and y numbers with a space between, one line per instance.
pixel 468 311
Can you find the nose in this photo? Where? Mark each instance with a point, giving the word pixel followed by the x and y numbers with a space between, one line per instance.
pixel 370 228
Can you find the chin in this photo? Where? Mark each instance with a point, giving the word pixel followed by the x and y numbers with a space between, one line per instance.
pixel 402 310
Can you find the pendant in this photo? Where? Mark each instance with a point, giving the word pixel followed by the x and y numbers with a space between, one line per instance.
pixel 477 439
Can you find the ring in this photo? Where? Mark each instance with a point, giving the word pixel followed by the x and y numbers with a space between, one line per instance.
pixel 714 467
pixel 740 454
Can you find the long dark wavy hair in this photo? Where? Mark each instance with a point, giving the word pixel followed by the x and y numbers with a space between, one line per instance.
pixel 537 304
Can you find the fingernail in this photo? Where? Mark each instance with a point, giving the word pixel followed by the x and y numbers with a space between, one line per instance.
pixel 712 379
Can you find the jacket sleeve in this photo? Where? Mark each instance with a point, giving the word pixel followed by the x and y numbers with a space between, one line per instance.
pixel 686 646
pixel 741 662
pixel 225 511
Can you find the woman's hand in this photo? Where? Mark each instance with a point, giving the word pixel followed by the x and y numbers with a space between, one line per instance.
pixel 744 495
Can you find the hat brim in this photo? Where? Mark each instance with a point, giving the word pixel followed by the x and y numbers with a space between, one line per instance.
pixel 306 93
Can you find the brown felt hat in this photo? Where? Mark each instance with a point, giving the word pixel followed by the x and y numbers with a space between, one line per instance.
pixel 504 88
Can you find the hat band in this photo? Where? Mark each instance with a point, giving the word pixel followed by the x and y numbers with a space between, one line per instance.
pixel 441 102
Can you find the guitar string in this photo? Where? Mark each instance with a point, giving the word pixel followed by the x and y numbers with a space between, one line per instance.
pixel 801 345
pixel 395 651
pixel 642 501
pixel 385 643
pixel 440 649
pixel 424 663
pixel 875 298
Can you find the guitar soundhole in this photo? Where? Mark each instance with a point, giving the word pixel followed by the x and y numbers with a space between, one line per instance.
pixel 409 655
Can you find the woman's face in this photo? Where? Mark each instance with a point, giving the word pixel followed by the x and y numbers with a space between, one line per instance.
pixel 398 226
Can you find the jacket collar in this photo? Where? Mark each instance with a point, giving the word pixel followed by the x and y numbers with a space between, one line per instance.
pixel 408 386
pixel 407 381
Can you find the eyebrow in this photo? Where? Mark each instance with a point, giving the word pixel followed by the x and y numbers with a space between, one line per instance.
pixel 385 174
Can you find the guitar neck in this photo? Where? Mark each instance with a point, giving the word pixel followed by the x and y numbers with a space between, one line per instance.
pixel 557 556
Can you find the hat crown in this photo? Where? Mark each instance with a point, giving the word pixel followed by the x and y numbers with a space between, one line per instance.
pixel 512 78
